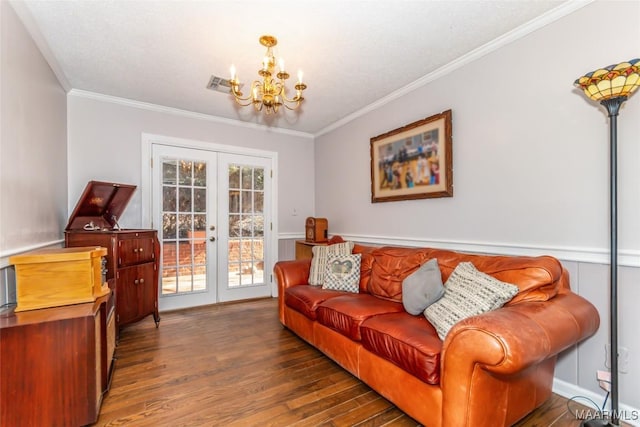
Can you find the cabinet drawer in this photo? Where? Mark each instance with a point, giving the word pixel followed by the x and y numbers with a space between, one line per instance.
pixel 135 251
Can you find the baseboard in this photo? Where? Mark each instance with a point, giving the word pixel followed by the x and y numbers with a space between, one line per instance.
pixel 627 414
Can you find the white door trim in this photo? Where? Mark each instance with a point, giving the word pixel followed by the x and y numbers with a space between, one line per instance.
pixel 146 171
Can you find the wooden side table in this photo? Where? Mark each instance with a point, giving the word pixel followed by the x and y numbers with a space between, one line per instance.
pixel 304 249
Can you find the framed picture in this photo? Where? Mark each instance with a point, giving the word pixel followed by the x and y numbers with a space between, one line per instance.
pixel 414 161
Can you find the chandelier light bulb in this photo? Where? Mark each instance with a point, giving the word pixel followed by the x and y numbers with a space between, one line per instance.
pixel 299 76
pixel 281 65
pixel 233 72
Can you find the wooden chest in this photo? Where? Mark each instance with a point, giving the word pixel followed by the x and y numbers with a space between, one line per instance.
pixel 61 276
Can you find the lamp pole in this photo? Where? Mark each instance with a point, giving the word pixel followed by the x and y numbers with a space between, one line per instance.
pixel 611 86
pixel 613 106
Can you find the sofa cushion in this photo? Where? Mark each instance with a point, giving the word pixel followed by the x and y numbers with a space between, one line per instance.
pixel 366 264
pixel 319 260
pixel 391 266
pixel 305 299
pixel 345 313
pixel 537 277
pixel 407 341
pixel 468 292
pixel 422 288
pixel 342 273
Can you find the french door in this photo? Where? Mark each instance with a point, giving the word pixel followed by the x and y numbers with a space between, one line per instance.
pixel 211 209
pixel 245 201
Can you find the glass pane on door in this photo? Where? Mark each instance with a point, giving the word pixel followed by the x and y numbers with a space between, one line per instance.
pixel 184 220
pixel 246 226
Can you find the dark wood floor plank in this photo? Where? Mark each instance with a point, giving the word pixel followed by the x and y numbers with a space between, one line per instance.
pixel 235 365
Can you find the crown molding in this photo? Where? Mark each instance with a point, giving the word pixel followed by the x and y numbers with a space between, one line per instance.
pixel 183 113
pixel 513 35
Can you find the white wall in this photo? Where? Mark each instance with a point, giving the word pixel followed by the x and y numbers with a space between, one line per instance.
pixel 526 145
pixel 530 158
pixel 33 141
pixel 105 144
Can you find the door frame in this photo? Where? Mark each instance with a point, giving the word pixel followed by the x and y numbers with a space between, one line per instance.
pixel 146 179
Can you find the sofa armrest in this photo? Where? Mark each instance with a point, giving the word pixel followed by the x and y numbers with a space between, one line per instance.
pixel 505 343
pixel 288 274
pixel 515 337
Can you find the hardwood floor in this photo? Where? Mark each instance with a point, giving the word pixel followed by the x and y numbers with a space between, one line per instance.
pixel 235 365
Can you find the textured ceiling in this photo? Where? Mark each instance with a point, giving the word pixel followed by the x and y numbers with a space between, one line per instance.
pixel 353 53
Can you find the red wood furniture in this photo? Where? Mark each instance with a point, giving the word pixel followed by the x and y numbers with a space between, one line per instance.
pixel 55 363
pixel 132 255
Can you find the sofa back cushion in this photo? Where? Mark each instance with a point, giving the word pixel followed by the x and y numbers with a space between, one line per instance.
pixel 538 278
pixel 366 263
pixel 391 266
pixel 384 268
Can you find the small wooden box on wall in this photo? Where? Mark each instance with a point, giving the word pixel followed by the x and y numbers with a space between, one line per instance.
pixel 316 230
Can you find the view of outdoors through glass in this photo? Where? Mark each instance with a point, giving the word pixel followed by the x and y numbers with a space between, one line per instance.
pixel 246 225
pixel 184 197
pixel 184 226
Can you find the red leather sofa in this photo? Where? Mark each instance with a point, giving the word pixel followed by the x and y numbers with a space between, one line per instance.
pixel 490 370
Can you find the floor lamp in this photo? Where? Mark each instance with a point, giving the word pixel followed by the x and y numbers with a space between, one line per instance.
pixel 611 86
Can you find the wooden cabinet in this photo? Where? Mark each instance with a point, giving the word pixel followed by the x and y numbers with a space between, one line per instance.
pixel 132 262
pixel 55 364
pixel 132 255
pixel 304 249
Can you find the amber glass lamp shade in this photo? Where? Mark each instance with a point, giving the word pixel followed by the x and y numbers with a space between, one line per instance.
pixel 611 82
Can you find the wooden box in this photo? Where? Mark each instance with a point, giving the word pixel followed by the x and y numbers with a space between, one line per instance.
pixel 61 276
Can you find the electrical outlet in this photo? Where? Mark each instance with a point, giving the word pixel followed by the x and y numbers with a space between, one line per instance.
pixel 604 380
pixel 623 358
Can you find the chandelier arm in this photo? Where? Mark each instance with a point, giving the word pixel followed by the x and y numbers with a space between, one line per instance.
pixel 295 99
pixel 296 105
pixel 242 103
pixel 238 96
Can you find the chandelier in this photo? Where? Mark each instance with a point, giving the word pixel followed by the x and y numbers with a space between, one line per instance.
pixel 270 93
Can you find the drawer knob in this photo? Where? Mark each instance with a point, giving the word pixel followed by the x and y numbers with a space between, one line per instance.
pixel 136 281
pixel 140 250
pixel 141 281
pixel 135 250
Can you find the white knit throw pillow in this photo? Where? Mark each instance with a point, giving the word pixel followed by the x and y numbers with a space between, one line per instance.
pixel 319 260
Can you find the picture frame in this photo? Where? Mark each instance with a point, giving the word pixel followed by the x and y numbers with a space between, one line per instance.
pixel 414 161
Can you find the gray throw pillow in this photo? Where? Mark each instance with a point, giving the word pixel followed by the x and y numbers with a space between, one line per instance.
pixel 468 292
pixel 422 288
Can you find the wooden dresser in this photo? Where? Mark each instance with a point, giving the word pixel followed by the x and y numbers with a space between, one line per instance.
pixel 132 255
pixel 132 262
pixel 56 363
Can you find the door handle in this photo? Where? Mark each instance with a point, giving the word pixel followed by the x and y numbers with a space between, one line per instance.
pixel 212 239
pixel 213 227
